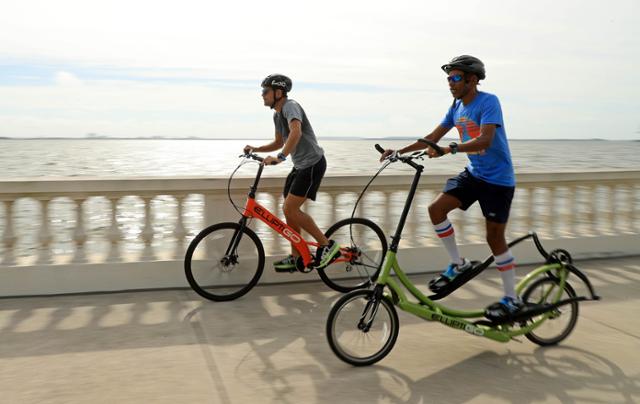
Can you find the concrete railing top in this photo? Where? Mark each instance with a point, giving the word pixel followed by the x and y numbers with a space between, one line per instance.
pixel 60 186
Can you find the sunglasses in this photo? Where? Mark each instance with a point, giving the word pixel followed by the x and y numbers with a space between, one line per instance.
pixel 456 78
pixel 265 90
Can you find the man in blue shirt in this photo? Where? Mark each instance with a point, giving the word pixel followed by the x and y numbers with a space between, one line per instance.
pixel 488 177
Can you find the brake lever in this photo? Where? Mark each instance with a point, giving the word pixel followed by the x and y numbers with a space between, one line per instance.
pixel 393 157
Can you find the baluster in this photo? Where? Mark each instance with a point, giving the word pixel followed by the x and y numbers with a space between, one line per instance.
pixel 552 212
pixel 79 233
pixel 593 208
pixel 634 210
pixel 611 217
pixel 571 206
pixel 636 207
pixel 386 211
pixel 627 215
pixel 529 219
pixel 8 237
pixel 332 218
pixel 147 231
pixel 44 235
pixel 114 235
pixel 179 232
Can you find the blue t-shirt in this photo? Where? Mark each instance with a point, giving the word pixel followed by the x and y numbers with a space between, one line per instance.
pixel 493 164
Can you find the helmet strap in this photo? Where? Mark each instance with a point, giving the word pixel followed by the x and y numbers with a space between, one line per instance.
pixel 275 100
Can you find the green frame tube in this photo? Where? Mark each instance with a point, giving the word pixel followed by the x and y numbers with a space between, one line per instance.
pixel 429 310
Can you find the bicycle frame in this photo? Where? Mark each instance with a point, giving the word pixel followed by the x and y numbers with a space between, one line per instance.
pixel 429 310
pixel 253 209
pixel 432 311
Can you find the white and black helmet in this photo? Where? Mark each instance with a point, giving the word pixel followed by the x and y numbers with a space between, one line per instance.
pixel 277 81
pixel 467 64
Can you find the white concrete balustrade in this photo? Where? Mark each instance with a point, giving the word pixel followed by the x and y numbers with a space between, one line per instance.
pixel 75 235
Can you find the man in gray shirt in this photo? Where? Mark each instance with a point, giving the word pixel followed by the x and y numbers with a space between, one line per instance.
pixel 294 134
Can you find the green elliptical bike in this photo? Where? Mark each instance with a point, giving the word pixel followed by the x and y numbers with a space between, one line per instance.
pixel 363 325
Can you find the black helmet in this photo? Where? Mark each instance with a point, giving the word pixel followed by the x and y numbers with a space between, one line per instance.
pixel 277 81
pixel 468 64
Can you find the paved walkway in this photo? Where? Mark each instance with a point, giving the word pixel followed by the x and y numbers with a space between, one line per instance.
pixel 269 347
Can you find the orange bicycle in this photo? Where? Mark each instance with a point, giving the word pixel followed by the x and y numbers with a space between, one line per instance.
pixel 225 260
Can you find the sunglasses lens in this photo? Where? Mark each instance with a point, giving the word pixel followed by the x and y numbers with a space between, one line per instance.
pixel 455 78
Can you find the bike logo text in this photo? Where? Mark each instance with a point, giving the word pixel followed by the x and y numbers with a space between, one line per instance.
pixel 277 224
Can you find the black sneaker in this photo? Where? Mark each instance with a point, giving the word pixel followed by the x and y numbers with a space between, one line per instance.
pixel 449 274
pixel 288 264
pixel 326 254
pixel 506 308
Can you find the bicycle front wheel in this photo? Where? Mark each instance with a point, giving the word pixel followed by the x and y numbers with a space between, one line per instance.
pixel 363 246
pixel 224 261
pixel 362 329
pixel 560 321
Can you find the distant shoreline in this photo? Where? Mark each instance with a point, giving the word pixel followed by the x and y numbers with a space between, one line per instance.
pixel 320 138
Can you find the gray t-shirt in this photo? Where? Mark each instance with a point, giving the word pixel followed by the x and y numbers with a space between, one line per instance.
pixel 307 151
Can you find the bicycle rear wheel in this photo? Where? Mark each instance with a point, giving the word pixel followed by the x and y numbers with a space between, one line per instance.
pixel 224 261
pixel 362 329
pixel 560 321
pixel 363 245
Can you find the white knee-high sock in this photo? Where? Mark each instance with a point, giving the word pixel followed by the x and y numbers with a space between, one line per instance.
pixel 507 266
pixel 446 234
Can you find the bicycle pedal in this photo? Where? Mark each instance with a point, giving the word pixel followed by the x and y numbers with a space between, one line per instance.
pixel 285 270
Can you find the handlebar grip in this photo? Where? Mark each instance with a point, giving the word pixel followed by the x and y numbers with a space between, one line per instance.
pixel 433 145
pixel 379 148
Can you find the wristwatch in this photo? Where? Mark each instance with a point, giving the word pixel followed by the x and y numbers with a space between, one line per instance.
pixel 454 147
pixel 282 157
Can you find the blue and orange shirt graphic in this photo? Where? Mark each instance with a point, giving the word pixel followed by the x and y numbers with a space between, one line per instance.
pixel 493 164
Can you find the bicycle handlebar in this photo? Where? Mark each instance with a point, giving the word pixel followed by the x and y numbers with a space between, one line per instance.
pixel 433 145
pixel 415 155
pixel 255 157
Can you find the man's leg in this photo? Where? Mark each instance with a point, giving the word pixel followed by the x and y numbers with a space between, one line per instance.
pixel 438 211
pixel 297 220
pixel 504 260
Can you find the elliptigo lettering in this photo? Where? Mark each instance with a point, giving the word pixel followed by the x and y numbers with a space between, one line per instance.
pixel 451 322
pixel 277 224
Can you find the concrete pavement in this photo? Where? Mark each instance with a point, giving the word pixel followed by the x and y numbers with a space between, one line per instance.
pixel 269 347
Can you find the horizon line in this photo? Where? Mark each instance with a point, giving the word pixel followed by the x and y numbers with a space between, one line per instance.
pixel 102 137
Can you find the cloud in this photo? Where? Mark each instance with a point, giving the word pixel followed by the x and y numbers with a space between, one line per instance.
pixel 358 66
pixel 67 79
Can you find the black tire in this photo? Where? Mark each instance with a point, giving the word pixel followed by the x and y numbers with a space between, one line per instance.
pixel 219 277
pixel 342 328
pixel 362 235
pixel 556 329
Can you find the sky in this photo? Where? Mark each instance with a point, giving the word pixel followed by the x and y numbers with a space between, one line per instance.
pixel 138 68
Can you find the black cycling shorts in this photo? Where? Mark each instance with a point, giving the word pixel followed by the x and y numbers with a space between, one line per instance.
pixel 495 200
pixel 305 182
